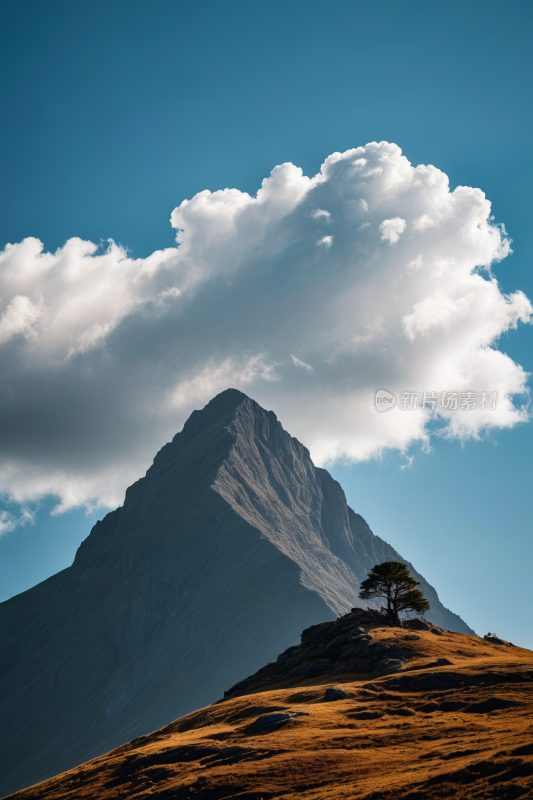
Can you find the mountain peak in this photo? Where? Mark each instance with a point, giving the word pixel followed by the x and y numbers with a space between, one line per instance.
pixel 224 402
pixel 231 544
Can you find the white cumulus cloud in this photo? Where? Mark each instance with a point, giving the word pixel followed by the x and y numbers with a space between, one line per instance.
pixel 18 319
pixel 423 223
pixel 392 229
pixel 103 357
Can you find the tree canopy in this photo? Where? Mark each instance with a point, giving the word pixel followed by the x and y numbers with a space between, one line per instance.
pixel 393 581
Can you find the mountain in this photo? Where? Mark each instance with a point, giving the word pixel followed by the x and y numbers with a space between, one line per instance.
pixel 454 723
pixel 230 545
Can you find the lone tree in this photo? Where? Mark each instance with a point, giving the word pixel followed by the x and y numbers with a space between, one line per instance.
pixel 393 581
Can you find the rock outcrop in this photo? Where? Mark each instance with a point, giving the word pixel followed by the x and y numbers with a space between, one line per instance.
pixel 331 649
pixel 231 544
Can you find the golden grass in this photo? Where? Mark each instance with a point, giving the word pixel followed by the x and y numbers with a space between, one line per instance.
pixel 334 752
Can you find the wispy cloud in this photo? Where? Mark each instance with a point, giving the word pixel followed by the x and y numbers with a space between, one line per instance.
pixel 9 521
pixel 298 363
pixel 322 214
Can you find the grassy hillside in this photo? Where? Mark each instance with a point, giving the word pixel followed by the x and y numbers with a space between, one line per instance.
pixel 461 730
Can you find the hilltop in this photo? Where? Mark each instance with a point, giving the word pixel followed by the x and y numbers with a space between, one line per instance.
pixel 454 721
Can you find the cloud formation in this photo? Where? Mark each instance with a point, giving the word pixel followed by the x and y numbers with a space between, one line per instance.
pixel 392 229
pixel 309 297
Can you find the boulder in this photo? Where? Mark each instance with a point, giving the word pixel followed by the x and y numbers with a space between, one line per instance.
pixel 333 693
pixel 267 723
pixel 388 666
pixel 367 715
pixel 495 640
pixel 417 624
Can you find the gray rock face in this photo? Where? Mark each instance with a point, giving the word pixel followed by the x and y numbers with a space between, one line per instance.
pixel 230 545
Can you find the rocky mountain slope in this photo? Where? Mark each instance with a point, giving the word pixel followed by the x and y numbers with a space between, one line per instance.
pixel 452 723
pixel 231 544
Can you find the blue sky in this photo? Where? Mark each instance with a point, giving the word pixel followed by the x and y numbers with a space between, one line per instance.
pixel 114 113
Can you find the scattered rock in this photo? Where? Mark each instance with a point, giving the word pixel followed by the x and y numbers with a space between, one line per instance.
pixel 367 715
pixel 251 711
pixel 417 624
pixel 270 722
pixel 436 631
pixel 336 694
pixel 495 640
